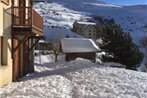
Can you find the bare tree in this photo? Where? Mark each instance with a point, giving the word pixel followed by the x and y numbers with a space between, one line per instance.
pixel 56 43
pixel 56 50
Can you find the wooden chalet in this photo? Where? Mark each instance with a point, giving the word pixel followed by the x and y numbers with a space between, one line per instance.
pixel 79 48
pixel 27 30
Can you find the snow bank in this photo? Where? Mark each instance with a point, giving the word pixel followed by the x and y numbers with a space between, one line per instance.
pixel 78 79
pixel 49 87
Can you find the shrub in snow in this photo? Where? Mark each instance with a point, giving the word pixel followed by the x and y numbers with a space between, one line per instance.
pixel 119 47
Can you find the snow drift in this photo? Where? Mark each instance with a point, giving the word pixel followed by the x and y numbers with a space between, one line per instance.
pixel 78 79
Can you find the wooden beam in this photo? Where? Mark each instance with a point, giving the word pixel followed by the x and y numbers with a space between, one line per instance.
pixel 1 49
pixel 34 44
pixel 39 1
pixel 37 37
pixel 22 41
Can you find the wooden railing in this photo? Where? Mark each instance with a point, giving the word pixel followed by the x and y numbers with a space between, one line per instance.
pixel 21 16
pixel 37 20
pixel 26 17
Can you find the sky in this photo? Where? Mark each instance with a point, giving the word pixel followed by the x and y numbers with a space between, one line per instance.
pixel 126 2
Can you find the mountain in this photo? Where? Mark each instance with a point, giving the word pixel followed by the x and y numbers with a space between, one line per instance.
pixel 63 13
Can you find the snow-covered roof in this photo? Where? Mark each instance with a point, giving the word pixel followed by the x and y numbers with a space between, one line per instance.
pixel 86 23
pixel 74 45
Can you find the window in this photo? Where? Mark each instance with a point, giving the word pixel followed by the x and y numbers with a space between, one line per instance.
pixel 5 2
pixel 94 30
pixel 89 35
pixel 1 49
pixel 94 35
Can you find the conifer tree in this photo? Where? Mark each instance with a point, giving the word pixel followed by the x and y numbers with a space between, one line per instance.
pixel 119 47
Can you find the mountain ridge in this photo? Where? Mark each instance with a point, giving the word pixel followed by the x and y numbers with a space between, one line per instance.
pixel 131 18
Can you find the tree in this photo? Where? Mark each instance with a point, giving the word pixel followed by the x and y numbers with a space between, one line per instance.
pixel 119 47
pixel 56 38
pixel 56 49
pixel 144 44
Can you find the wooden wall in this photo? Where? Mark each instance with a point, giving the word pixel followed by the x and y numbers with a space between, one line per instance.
pixel 90 56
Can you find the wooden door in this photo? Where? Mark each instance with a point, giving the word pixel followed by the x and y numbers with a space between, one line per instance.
pixel 16 60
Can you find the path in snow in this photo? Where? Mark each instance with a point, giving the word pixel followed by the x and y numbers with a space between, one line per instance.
pixel 78 79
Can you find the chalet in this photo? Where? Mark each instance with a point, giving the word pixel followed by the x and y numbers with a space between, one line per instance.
pixel 44 46
pixel 27 30
pixel 5 43
pixel 79 47
pixel 86 29
pixel 19 33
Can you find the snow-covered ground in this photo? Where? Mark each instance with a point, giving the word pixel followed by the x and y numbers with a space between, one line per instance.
pixel 77 79
pixel 56 34
pixel 81 78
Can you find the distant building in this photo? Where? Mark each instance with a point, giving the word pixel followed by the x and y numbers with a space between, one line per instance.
pixel 79 48
pixel 86 29
pixel 42 45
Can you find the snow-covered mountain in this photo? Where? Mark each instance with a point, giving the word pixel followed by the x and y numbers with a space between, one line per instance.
pixel 62 13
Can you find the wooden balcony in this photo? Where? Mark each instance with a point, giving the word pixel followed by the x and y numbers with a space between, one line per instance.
pixel 37 23
pixel 26 19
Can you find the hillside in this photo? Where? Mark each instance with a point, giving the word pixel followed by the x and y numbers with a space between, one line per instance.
pixel 63 13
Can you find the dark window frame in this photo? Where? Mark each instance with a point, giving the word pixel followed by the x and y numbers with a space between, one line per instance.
pixel 1 49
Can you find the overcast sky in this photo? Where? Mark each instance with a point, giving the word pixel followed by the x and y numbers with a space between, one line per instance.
pixel 126 2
